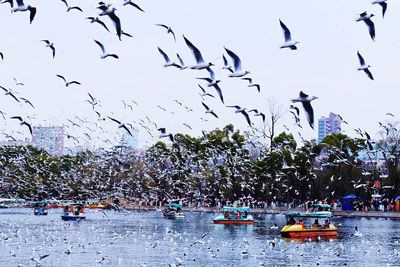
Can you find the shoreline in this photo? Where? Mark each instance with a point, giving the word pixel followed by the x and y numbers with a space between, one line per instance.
pixel 281 211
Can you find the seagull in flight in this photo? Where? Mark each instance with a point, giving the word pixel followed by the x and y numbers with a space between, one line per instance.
pixel 27 101
pixel 22 8
pixel 243 111
pixel 67 83
pixel 18 83
pixel 208 110
pixel 200 64
pixel 96 19
pixel 51 46
pixel 367 19
pixel 69 8
pixel 251 84
pixel 289 43
pixel 164 133
pixel 9 92
pixel 22 122
pixel 121 125
pixel 383 4
pixel 204 92
pixel 306 101
pixel 257 113
pixel 212 82
pixel 108 10
pixel 168 62
pixel 129 2
pixel 169 30
pixel 237 65
pixel 105 54
pixel 364 66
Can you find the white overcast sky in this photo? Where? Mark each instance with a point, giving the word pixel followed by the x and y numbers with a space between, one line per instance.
pixel 324 65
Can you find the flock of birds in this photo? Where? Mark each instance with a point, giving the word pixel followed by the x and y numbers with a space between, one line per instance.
pixel 233 67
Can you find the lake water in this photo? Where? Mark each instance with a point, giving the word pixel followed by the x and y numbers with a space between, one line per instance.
pixel 147 239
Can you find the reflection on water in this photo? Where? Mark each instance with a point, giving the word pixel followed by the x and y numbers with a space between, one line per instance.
pixel 146 239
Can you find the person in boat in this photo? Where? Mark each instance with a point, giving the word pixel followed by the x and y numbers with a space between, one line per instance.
pixel 291 221
pixel 238 215
pixel 245 214
pixel 76 211
pixel 300 222
pixel 226 214
pixel 316 223
pixel 326 224
pixel 66 209
pixel 80 210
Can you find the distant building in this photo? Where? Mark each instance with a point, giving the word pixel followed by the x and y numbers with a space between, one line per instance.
pixel 50 139
pixel 131 141
pixel 11 142
pixel 328 125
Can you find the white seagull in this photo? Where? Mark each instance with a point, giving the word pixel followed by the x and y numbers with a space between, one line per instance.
pixel 204 92
pixel 51 46
pixel 22 122
pixel 288 38
pixel 168 62
pixel 364 66
pixel 67 83
pixel 169 30
pixel 367 19
pixel 306 101
pixel 164 133
pixel 69 8
pixel 183 66
pixel 105 54
pixel 200 64
pixel 208 110
pixel 121 125
pixel 237 65
pixel 212 82
pixel 108 10
pixel 96 19
pixel 22 8
pixel 251 84
pixel 383 4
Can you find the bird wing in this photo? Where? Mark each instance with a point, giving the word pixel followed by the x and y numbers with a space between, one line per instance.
pixel 62 77
pixel 77 8
pixel 29 126
pixel 213 113
pixel 202 89
pixel 166 58
pixel 101 46
pixel 205 106
pixel 368 72
pixel 20 2
pixel 371 28
pixel 114 120
pixel 162 130
pixel 65 2
pixel 236 60
pixel 361 59
pixel 205 79
pixel 13 96
pixel 211 72
pixel 219 91
pixel 46 41
pixel 54 50
pixel 247 117
pixel 225 61
pixel 91 97
pixel 102 24
pixel 195 51
pixel 117 23
pixel 384 7
pixel 17 117
pixel 74 82
pixel 135 5
pixel 180 60
pixel 33 13
pixel 286 31
pixel 309 113
pixel 162 25
pixel 126 128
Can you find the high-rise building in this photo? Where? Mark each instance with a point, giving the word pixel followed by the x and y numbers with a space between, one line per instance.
pixel 130 140
pixel 328 125
pixel 50 139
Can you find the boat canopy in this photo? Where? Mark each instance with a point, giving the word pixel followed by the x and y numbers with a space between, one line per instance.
pixel 239 209
pixel 318 214
pixel 321 206
pixel 175 205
